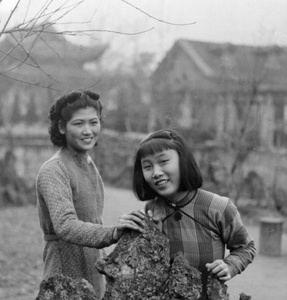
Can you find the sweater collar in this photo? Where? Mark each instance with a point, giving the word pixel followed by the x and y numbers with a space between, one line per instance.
pixel 81 159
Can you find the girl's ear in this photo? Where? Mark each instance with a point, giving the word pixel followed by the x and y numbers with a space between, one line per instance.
pixel 61 127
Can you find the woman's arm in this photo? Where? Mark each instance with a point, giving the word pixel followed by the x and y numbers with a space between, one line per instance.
pixel 53 186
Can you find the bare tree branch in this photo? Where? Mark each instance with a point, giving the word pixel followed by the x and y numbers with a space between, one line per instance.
pixel 80 32
pixel 36 65
pixel 33 27
pixel 42 22
pixel 9 18
pixel 38 84
pixel 154 18
pixel 42 17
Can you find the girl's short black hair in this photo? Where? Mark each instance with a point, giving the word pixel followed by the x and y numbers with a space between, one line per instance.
pixel 64 108
pixel 158 141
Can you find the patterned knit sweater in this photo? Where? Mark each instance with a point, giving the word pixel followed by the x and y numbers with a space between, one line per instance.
pixel 70 195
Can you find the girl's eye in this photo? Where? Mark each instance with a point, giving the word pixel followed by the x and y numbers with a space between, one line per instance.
pixel 164 161
pixel 146 167
pixel 94 123
pixel 77 124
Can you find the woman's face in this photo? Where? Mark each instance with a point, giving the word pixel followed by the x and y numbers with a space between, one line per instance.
pixel 82 130
pixel 161 172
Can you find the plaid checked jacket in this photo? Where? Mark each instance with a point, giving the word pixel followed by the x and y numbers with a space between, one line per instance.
pixel 209 224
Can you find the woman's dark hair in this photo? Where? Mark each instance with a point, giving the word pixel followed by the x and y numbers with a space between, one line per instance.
pixel 64 108
pixel 158 141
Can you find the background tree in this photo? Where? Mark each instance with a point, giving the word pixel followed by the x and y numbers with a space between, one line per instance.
pixel 245 138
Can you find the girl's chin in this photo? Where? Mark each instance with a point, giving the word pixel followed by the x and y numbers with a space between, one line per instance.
pixel 167 194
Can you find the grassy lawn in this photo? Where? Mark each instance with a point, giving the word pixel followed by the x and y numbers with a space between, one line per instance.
pixel 21 244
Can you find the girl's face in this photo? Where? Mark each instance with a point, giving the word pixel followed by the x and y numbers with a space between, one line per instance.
pixel 82 130
pixel 161 172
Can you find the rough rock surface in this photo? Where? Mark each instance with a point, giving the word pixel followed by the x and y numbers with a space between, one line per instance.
pixel 138 264
pixel 183 282
pixel 244 297
pixel 216 289
pixel 59 287
pixel 139 268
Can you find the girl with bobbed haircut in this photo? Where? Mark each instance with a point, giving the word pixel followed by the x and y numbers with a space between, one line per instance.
pixel 64 108
pixel 198 223
pixel 190 175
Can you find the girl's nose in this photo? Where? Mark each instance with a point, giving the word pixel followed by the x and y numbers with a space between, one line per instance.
pixel 157 172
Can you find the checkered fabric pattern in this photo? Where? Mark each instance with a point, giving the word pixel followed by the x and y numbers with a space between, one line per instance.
pixel 200 244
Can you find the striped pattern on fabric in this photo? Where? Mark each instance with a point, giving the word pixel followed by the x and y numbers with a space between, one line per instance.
pixel 204 244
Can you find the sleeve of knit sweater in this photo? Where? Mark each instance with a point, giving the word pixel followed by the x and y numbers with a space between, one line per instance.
pixel 54 187
pixel 238 241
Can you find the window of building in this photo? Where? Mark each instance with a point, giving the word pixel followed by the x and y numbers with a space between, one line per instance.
pixel 280 130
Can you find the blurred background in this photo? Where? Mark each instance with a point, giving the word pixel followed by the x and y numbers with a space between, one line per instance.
pixel 214 70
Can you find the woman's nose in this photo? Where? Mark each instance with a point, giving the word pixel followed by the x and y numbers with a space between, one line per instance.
pixel 87 129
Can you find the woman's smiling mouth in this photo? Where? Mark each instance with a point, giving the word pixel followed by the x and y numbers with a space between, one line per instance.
pixel 87 140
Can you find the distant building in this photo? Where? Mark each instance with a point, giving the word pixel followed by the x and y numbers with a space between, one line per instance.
pixel 210 89
pixel 35 68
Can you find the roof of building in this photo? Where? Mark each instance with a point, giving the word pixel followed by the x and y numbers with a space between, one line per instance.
pixel 235 63
pixel 46 58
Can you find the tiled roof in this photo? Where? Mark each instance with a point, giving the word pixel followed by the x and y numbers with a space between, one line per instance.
pixel 47 59
pixel 265 65
pixel 48 45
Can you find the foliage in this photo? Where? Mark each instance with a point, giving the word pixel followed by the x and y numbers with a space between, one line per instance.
pixel 31 115
pixel 127 96
pixel 14 190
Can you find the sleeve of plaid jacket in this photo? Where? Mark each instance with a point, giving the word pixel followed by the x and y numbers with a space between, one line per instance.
pixel 238 241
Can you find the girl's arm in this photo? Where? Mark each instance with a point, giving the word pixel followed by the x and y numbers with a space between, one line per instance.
pixel 240 244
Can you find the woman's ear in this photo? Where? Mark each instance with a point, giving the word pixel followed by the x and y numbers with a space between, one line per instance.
pixel 61 127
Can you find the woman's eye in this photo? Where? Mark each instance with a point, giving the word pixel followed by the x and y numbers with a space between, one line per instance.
pixel 78 124
pixel 94 123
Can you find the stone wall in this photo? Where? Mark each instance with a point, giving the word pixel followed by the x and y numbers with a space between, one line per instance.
pixel 114 158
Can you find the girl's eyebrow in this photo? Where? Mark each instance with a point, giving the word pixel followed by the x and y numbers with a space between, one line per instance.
pixel 156 155
pixel 160 154
pixel 143 160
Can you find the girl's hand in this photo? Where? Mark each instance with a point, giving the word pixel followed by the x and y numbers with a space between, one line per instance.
pixel 220 269
pixel 132 220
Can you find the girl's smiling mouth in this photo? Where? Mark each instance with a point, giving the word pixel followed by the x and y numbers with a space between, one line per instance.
pixel 161 182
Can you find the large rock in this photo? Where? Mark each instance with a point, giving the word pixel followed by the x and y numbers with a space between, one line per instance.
pixel 216 289
pixel 139 268
pixel 183 281
pixel 59 287
pixel 138 265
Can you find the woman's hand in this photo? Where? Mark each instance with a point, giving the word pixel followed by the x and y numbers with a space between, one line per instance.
pixel 220 269
pixel 132 220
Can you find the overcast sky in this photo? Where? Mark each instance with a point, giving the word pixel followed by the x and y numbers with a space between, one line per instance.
pixel 250 22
